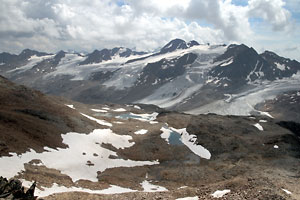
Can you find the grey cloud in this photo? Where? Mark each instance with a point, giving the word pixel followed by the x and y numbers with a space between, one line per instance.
pixel 14 34
pixel 39 9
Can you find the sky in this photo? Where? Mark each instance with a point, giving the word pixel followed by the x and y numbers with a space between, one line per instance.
pixel 146 25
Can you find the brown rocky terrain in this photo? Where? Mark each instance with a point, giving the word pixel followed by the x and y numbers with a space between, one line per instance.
pixel 30 119
pixel 253 157
pixel 285 107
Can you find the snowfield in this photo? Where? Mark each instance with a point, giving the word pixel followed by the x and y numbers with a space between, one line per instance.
pixel 243 104
pixel 78 163
pixel 113 189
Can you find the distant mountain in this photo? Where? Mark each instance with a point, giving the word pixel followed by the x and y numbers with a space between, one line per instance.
pixel 108 54
pixel 177 44
pixel 184 76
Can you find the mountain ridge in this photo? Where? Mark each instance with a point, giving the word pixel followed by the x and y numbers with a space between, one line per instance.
pixel 165 78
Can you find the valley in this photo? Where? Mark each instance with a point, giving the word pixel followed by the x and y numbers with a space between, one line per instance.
pixel 190 121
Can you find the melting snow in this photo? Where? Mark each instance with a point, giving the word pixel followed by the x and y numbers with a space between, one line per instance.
pixel 263 121
pixel 148 187
pixel 182 187
pixel 99 121
pixel 188 198
pixel 142 117
pixel 220 193
pixel 99 110
pixel 137 107
pixel 70 106
pixel 74 162
pixel 266 114
pixel 258 126
pixel 55 188
pixel 286 191
pixel 119 110
pixel 141 132
pixel 118 122
pixel 165 134
pixel 188 140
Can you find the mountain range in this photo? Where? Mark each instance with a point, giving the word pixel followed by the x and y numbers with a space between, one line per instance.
pixel 183 76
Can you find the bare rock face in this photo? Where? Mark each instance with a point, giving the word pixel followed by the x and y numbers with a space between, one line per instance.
pixel 13 189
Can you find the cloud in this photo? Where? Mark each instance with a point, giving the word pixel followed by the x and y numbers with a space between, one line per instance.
pixel 51 25
pixel 272 11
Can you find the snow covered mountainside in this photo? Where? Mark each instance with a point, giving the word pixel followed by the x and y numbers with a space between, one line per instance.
pixel 190 77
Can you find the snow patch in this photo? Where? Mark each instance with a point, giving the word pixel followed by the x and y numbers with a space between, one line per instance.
pixel 137 107
pixel 148 187
pixel 99 110
pixel 141 132
pixel 286 191
pixel 182 187
pixel 99 121
pixel 75 159
pixel 166 132
pixel 220 193
pixel 188 198
pixel 266 114
pixel 70 106
pixel 188 140
pixel 263 121
pixel 116 122
pixel 258 126
pixel 119 110
pixel 55 188
pixel 230 61
pixel 280 66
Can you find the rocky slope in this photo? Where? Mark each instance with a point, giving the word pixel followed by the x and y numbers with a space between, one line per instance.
pixel 184 76
pixel 29 119
pixel 110 151
pixel 285 106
